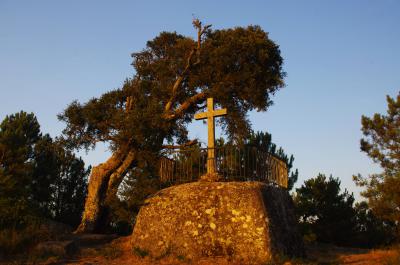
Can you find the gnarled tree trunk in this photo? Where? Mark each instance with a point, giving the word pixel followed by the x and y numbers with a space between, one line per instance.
pixel 104 181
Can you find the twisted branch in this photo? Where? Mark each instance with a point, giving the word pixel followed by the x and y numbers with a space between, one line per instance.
pixel 196 49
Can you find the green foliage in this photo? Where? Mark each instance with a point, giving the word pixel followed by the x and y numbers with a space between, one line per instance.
pixel 324 212
pixel 328 215
pixel 382 137
pixel 18 134
pixel 45 170
pixel 38 177
pixel 382 144
pixel 241 68
pixel 383 195
pixel 70 188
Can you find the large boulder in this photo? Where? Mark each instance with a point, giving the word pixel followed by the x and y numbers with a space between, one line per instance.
pixel 249 222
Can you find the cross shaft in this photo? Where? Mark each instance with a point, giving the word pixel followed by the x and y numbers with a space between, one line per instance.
pixel 210 115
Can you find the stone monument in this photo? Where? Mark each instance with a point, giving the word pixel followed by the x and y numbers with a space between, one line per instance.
pixel 245 222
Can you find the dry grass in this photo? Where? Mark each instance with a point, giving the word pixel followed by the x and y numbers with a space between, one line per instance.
pixel 16 244
pixel 326 254
pixel 317 254
pixel 119 252
pixel 13 240
pixel 393 257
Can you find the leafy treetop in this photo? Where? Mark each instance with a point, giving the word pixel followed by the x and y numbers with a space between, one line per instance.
pixel 382 136
pixel 240 67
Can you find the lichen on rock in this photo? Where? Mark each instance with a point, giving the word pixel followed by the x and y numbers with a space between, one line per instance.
pixel 244 221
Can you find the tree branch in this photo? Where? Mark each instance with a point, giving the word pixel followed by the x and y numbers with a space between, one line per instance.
pixel 200 31
pixel 118 175
pixel 179 80
pixel 190 143
pixel 185 105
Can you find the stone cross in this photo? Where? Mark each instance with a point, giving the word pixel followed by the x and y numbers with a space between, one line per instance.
pixel 210 114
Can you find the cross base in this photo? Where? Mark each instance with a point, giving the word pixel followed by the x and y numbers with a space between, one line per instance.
pixel 211 177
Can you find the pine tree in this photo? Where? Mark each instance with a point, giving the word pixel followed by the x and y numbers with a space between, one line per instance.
pixel 325 214
pixel 18 134
pixel 381 142
pixel 70 188
pixel 38 178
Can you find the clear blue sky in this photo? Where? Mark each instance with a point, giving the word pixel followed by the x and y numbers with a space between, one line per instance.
pixel 342 59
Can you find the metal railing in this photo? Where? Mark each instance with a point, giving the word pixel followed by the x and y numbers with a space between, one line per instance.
pixel 231 163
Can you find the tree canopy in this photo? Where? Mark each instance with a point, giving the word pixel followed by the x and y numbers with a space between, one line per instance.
pixel 381 142
pixel 241 68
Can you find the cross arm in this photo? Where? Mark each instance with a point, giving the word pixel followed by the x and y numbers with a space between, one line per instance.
pixel 219 112
pixel 200 116
pixel 214 113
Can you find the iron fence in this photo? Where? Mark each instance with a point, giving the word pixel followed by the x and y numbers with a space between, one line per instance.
pixel 231 163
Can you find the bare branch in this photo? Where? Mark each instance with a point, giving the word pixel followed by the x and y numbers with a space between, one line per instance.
pixel 195 50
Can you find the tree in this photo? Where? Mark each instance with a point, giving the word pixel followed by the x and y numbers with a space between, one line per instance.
pixel 69 187
pixel 325 214
pixel 371 231
pixel 382 137
pixel 44 173
pixel 240 67
pixel 18 134
pixel 35 173
pixel 381 142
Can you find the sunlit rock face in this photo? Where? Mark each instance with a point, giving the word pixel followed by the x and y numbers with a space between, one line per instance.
pixel 249 222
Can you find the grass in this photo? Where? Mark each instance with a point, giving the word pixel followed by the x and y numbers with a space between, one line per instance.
pixel 17 244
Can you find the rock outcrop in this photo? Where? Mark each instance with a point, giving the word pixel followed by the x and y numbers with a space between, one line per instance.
pixel 249 222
